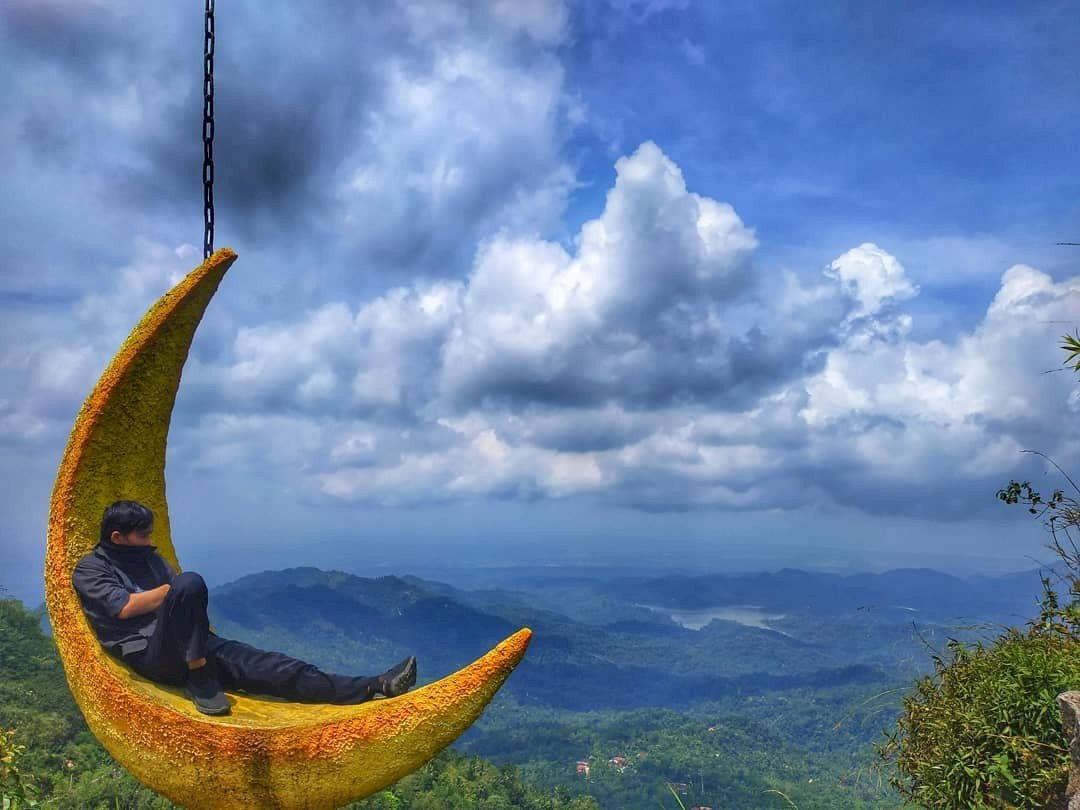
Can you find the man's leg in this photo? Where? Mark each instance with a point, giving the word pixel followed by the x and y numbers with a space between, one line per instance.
pixel 267 672
pixel 180 637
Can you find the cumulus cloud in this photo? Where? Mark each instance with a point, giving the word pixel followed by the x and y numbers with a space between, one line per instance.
pixel 873 277
pixel 410 131
pixel 658 304
pixel 646 278
pixel 49 370
pixel 909 422
pixel 466 142
pixel 650 362
pixel 378 361
pixel 655 365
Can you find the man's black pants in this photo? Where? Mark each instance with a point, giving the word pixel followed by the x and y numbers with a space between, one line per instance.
pixel 183 634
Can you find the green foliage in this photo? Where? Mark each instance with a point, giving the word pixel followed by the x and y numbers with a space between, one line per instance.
pixel 806 747
pixel 1061 515
pixel 14 792
pixel 453 779
pixel 61 762
pixel 523 756
pixel 984 730
pixel 675 793
pixel 48 755
pixel 1071 345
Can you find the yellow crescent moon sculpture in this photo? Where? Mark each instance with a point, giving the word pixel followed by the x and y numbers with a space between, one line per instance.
pixel 267 753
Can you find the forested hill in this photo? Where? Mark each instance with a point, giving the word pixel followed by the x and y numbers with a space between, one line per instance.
pixel 72 771
pixel 355 624
pixel 528 754
pixel 829 631
pixel 728 713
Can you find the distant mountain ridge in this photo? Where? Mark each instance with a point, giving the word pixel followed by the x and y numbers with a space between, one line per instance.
pixel 839 631
pixel 789 590
pixel 379 619
pixel 827 673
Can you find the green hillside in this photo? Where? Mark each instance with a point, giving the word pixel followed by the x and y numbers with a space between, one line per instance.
pixel 64 766
pixel 733 740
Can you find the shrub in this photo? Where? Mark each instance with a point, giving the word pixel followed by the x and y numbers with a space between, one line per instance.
pixel 984 730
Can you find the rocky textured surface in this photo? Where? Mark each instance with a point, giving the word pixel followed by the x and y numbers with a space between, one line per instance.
pixel 1069 703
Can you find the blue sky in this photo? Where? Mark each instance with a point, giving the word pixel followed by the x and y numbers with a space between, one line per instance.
pixel 626 280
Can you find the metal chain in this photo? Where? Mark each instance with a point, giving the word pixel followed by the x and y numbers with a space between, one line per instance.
pixel 208 132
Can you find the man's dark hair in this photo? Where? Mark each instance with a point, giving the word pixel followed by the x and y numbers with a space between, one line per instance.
pixel 124 517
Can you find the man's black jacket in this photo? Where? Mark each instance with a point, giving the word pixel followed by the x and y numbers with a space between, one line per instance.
pixel 104 577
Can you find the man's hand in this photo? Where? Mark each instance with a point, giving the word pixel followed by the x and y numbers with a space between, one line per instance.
pixel 143 602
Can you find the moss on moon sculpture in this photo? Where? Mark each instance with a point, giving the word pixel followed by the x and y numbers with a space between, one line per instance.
pixel 267 753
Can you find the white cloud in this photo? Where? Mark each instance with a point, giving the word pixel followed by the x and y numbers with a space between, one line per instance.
pixel 934 416
pixel 19 426
pixel 873 277
pixel 551 355
pixel 133 287
pixel 539 322
pixel 651 364
pixel 406 134
pixel 466 142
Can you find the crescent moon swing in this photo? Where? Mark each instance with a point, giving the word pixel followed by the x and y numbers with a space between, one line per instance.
pixel 266 753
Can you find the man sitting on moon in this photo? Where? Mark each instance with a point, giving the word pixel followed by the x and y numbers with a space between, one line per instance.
pixel 155 620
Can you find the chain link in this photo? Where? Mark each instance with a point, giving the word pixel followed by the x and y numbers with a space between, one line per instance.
pixel 208 132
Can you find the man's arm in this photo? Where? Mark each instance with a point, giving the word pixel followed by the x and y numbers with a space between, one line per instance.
pixel 143 601
pixel 99 588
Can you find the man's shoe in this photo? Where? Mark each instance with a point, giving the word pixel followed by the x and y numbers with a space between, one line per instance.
pixel 398 679
pixel 202 687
